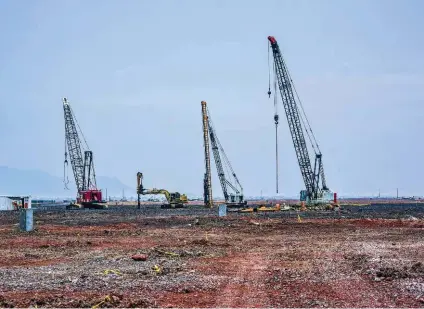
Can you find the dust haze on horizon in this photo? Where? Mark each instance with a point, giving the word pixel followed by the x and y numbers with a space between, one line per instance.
pixel 135 73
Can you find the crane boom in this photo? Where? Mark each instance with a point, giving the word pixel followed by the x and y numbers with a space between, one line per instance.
pixel 74 146
pixel 311 176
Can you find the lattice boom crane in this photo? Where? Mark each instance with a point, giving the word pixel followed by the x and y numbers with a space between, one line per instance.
pixel 313 177
pixel 82 167
pixel 229 180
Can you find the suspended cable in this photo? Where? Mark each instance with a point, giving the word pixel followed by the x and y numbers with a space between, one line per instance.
pixel 65 167
pixel 276 157
pixel 306 129
pixel 302 114
pixel 228 167
pixel 308 126
pixel 269 74
pixel 79 129
pixel 276 118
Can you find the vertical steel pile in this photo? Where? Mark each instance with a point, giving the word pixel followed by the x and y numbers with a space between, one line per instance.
pixel 207 182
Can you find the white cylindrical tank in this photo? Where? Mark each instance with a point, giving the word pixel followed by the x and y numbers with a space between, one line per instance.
pixel 6 203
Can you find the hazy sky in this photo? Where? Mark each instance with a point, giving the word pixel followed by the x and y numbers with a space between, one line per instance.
pixel 135 73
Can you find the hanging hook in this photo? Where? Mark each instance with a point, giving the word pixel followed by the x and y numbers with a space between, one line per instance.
pixel 65 168
pixel 276 117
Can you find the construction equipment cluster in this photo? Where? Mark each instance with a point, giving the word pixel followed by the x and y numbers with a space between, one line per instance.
pixel 316 191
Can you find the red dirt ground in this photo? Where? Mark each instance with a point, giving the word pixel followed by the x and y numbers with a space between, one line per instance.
pixel 226 262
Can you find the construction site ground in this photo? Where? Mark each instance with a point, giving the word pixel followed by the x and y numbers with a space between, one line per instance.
pixel 355 257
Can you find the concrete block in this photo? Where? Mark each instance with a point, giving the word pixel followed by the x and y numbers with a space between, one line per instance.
pixel 222 210
pixel 26 220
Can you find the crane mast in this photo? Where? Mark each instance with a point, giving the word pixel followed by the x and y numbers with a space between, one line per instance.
pixel 83 168
pixel 207 180
pixel 235 198
pixel 311 176
pixel 89 173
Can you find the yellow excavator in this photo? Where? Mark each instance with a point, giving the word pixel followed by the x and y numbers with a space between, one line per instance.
pixel 175 199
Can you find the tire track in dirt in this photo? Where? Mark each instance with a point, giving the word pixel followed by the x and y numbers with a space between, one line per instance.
pixel 246 286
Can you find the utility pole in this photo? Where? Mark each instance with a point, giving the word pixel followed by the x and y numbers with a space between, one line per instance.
pixel 106 195
pixel 397 193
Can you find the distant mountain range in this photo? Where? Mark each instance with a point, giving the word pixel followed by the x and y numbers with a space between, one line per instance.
pixel 41 184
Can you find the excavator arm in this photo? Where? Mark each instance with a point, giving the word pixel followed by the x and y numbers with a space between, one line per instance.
pixel 158 191
pixel 175 199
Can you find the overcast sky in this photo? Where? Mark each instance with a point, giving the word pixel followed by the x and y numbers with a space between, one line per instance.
pixel 135 73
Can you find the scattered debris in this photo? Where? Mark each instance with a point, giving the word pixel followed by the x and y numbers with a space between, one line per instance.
pixel 325 262
pixel 167 253
pixel 157 269
pixel 112 271
pixel 412 218
pixel 113 300
pixel 139 257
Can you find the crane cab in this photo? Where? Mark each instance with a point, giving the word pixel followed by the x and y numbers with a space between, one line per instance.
pixel 91 199
pixel 236 200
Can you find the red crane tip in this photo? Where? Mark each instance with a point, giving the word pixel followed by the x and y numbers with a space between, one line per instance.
pixel 272 39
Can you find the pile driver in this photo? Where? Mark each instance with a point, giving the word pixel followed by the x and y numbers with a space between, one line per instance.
pixel 316 191
pixel 175 199
pixel 234 198
pixel 85 177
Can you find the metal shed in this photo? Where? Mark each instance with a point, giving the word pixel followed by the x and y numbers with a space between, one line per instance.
pixel 14 202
